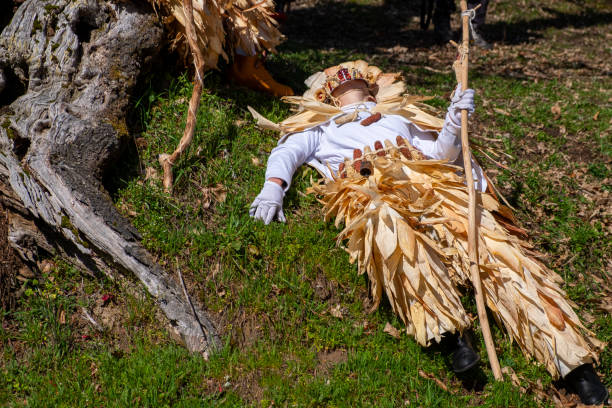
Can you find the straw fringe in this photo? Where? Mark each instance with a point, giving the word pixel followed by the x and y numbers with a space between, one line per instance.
pixel 406 227
pixel 390 97
pixel 245 24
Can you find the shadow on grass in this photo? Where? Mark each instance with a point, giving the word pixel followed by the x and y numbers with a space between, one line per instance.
pixel 516 32
pixel 473 380
pixel 358 27
pixel 150 85
pixel 161 84
pixel 369 28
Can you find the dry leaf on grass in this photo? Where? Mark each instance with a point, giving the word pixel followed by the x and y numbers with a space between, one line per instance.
pixel 217 193
pixel 140 142
pixel 336 311
pixel 564 400
pixel 220 193
pixel 256 161
pixel 513 377
pixel 93 368
pixel 589 318
pixel 606 304
pixel 126 208
pixel 151 175
pixel 600 282
pixel 501 111
pixel 46 266
pixel 253 250
pixel 392 331
pixel 556 110
pixel 536 388
pixel 364 325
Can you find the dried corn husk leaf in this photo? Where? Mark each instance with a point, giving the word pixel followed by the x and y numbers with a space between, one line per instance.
pixel 244 24
pixel 391 331
pixel 405 226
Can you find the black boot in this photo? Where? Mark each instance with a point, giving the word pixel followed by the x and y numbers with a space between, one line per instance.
pixel 585 382
pixel 464 356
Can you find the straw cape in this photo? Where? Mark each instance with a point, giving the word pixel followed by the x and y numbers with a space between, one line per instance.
pixel 246 24
pixel 317 106
pixel 405 225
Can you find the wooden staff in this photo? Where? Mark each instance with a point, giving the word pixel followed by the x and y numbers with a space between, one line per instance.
pixel 472 222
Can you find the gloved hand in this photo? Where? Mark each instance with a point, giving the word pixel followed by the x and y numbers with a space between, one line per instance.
pixel 460 100
pixel 269 203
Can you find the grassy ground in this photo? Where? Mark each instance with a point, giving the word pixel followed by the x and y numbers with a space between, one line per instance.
pixel 289 305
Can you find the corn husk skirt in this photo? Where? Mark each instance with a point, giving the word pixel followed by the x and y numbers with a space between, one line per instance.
pixel 247 25
pixel 406 227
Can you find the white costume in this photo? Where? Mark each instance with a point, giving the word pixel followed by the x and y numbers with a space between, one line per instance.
pixel 329 144
pixel 406 221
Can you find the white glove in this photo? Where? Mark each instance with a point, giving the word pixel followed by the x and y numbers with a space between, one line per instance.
pixel 460 100
pixel 269 203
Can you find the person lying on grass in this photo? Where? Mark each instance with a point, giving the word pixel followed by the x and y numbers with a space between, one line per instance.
pixel 389 178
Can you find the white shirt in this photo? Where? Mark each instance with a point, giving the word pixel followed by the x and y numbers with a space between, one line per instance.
pixel 329 144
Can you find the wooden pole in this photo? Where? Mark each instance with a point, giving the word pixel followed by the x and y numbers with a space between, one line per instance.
pixel 472 222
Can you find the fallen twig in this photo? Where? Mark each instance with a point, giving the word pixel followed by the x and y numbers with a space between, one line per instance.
pixel 437 380
pixel 193 310
pixel 91 320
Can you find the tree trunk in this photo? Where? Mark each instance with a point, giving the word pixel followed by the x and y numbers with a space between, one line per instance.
pixel 68 69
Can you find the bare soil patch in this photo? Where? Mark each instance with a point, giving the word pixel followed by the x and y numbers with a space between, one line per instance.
pixel 328 359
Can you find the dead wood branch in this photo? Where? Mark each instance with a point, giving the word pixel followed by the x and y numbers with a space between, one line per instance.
pixel 73 67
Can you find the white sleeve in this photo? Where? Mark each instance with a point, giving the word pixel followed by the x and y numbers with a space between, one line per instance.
pixel 292 153
pixel 446 146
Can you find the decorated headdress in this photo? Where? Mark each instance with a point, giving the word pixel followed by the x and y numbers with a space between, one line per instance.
pixel 323 84
pixel 340 77
pixel 317 105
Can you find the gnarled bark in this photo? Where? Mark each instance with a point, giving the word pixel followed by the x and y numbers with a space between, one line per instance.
pixel 67 72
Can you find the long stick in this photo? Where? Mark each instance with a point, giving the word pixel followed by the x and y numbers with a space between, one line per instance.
pixel 472 223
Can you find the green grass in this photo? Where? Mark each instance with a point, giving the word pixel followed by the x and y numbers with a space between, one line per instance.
pixel 263 283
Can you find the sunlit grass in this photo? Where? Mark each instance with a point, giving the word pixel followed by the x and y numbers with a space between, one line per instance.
pixel 264 282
